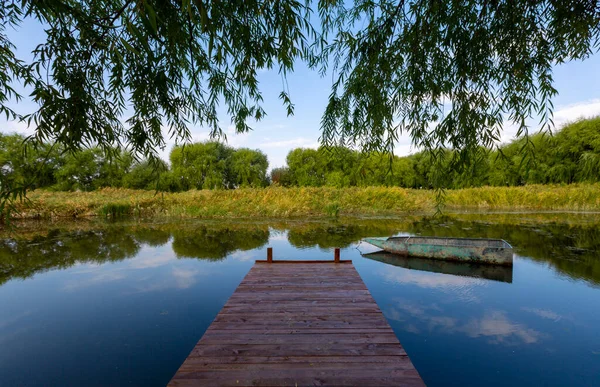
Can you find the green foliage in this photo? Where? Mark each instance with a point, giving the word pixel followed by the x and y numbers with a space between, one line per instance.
pixel 215 243
pixel 569 243
pixel 306 167
pixel 444 72
pixel 309 202
pixel 571 155
pixel 115 210
pixel 148 174
pixel 91 169
pixel 333 209
pixel 79 171
pixel 249 168
pixel 23 163
pixel 281 176
pixel 169 62
pixel 213 165
pixel 200 166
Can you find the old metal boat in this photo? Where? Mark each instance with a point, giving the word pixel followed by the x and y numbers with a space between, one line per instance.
pixel 491 251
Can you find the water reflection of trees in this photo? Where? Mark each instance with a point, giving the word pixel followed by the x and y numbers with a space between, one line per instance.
pixel 570 248
pixel 341 233
pixel 22 257
pixel 216 243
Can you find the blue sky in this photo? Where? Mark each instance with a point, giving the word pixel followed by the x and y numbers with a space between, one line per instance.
pixel 578 84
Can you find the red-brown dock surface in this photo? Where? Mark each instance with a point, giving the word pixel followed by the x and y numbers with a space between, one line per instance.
pixel 299 324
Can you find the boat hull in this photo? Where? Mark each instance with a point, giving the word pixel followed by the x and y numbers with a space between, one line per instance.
pixel 496 252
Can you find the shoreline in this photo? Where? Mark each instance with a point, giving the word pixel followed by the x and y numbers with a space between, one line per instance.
pixel 307 202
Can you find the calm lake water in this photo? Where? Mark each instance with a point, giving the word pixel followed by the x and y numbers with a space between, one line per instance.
pixel 124 303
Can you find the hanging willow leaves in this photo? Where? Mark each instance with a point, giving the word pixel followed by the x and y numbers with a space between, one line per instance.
pixel 135 72
pixel 448 73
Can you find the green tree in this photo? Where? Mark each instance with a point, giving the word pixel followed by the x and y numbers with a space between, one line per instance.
pixel 249 168
pixel 205 165
pixel 90 169
pixel 281 176
pixel 306 167
pixel 339 164
pixel 23 164
pixel 147 174
pixel 578 146
pixel 79 171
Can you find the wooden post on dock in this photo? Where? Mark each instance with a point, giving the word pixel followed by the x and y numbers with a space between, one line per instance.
pixel 270 254
pixel 336 256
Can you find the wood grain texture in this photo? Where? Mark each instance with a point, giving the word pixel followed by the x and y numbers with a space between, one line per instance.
pixel 302 324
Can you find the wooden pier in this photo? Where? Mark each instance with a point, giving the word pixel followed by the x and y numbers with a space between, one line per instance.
pixel 292 323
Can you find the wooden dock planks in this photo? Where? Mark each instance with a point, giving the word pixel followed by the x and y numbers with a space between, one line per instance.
pixel 299 324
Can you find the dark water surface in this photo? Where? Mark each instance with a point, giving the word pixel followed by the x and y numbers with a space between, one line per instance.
pixel 124 303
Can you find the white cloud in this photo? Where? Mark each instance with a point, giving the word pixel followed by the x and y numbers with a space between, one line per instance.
pixel 17 127
pixel 404 146
pixel 184 278
pixel 276 235
pixel 99 278
pixel 493 325
pixel 244 256
pixel 145 261
pixel 544 313
pixel 562 116
pixel 293 143
pixel 569 113
pixel 497 326
pixel 461 287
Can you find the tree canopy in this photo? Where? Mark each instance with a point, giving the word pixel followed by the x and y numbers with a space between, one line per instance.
pixel 571 155
pixel 448 73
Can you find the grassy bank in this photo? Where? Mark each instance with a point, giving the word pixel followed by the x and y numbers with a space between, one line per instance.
pixel 276 202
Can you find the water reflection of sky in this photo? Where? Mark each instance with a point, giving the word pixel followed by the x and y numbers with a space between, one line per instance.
pixel 154 268
pixel 133 320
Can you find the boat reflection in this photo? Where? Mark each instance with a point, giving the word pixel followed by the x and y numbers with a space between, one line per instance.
pixel 490 272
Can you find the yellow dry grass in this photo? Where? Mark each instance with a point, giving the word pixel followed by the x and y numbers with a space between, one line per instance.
pixel 278 202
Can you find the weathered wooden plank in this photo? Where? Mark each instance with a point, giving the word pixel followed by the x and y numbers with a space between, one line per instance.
pixel 315 322
pixel 323 349
pixel 295 325
pixel 292 295
pixel 398 369
pixel 308 288
pixel 299 309
pixel 322 303
pixel 399 363
pixel 329 338
pixel 202 360
pixel 300 331
pixel 407 380
pixel 277 317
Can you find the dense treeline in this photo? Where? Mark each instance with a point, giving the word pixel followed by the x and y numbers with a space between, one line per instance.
pixel 571 155
pixel 199 165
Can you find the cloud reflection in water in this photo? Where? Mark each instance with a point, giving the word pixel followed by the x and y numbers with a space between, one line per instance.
pixel 493 325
